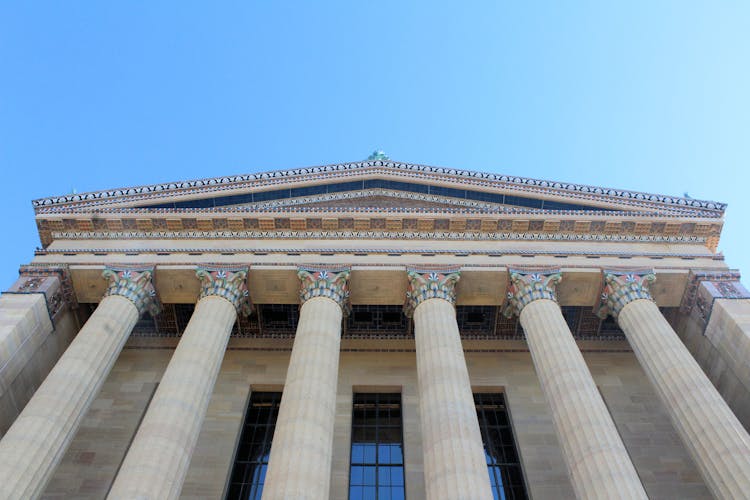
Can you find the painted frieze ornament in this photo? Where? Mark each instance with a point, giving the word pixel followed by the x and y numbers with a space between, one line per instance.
pixel 331 283
pixel 136 285
pixel 228 283
pixel 427 284
pixel 527 286
pixel 623 287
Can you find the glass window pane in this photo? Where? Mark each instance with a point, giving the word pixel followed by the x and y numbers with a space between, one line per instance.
pixel 503 464
pixel 251 458
pixel 376 445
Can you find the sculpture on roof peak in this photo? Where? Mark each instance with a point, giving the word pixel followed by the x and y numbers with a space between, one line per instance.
pixel 378 154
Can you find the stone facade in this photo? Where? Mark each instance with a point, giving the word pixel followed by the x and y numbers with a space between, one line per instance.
pixel 131 345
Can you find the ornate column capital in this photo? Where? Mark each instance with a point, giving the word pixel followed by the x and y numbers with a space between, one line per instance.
pixel 621 287
pixel 427 284
pixel 229 283
pixel 136 285
pixel 528 285
pixel 332 283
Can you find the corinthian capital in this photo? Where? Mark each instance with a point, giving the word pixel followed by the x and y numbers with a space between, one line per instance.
pixel 527 286
pixel 323 282
pixel 136 285
pixel 430 284
pixel 227 283
pixel 623 287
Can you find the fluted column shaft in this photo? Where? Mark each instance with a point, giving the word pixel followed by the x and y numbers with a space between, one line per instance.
pixel 300 461
pixel 455 466
pixel 597 461
pixel 454 462
pixel 712 434
pixel 158 459
pixel 38 438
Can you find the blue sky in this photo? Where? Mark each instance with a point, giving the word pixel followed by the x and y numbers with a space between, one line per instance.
pixel 649 96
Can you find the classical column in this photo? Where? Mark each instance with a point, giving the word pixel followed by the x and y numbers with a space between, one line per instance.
pixel 712 434
pixel 597 461
pixel 300 463
pixel 454 461
pixel 158 459
pixel 38 438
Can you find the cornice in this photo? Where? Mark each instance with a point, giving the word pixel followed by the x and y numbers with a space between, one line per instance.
pixel 405 170
pixel 394 251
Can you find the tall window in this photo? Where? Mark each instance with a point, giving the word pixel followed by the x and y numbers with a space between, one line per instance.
pixel 251 460
pixel 500 450
pixel 377 460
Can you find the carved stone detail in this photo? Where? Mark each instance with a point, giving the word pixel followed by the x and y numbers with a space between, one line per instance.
pixel 228 283
pixel 136 285
pixel 52 281
pixel 725 282
pixel 427 284
pixel 324 282
pixel 623 287
pixel 529 285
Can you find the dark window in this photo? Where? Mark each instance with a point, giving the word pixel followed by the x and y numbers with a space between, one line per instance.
pixel 251 460
pixel 377 460
pixel 500 451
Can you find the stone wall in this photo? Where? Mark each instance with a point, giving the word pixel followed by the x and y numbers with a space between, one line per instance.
pixel 721 346
pixel 33 363
pixel 95 454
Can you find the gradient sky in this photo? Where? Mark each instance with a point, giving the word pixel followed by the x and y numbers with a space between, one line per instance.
pixel 648 96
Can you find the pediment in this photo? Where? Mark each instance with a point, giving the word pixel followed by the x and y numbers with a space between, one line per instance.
pixel 380 186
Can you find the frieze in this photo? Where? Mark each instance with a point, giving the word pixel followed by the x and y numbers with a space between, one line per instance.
pixel 432 283
pixel 136 285
pixel 229 283
pixel 267 179
pixel 528 285
pixel 323 281
pixel 368 234
pixel 621 287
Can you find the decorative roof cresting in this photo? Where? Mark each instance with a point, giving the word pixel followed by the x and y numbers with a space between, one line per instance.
pixel 273 178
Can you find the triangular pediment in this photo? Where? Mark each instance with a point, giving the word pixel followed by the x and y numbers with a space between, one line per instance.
pixel 381 186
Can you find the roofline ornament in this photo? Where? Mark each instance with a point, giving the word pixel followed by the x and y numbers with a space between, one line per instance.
pixel 279 176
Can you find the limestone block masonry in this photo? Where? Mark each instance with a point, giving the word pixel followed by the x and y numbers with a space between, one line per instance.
pixel 597 461
pixel 38 438
pixel 301 453
pixel 710 431
pixel 454 460
pixel 159 457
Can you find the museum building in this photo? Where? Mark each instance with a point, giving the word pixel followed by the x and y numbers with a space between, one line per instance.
pixel 375 330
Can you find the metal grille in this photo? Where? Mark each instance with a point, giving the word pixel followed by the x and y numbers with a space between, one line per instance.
pixel 379 322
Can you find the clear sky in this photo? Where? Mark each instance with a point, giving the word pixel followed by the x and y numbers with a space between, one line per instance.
pixel 641 95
